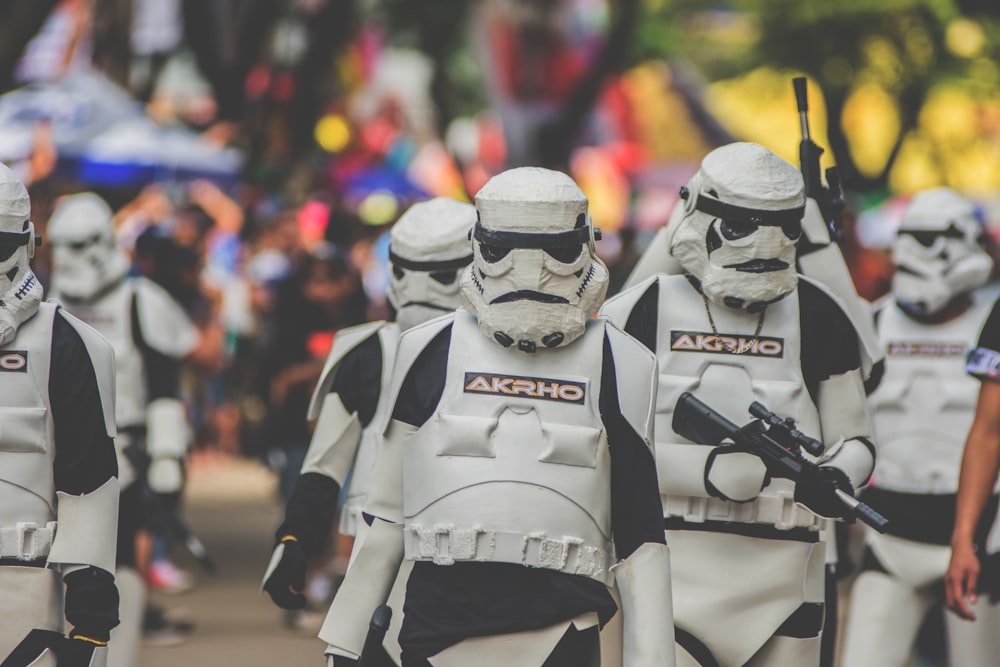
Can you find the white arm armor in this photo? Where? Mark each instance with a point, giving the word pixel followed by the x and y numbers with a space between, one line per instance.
pixel 643 581
pixel 636 375
pixel 345 341
pixel 87 525
pixel 167 432
pixel 165 326
pixel 846 424
pixel 87 529
pixel 337 434
pixel 334 441
pixel 375 566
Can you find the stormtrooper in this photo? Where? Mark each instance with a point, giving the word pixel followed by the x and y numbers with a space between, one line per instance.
pixel 922 412
pixel 515 473
pixel 58 485
pixel 429 247
pixel 150 334
pixel 740 325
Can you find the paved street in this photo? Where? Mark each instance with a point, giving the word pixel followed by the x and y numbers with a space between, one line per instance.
pixel 231 508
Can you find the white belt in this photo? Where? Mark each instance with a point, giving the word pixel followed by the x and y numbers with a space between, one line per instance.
pixel 445 544
pixel 779 510
pixel 27 541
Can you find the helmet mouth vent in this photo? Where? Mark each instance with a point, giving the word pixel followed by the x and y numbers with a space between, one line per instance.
pixel 529 295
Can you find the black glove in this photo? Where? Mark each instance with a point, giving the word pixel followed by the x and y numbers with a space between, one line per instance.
pixel 91 604
pixel 816 490
pixel 288 580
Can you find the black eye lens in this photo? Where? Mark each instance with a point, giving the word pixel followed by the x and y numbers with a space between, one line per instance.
pixel 7 252
pixel 398 272
pixel 444 277
pixel 925 239
pixel 736 230
pixel 567 254
pixel 792 230
pixel 492 253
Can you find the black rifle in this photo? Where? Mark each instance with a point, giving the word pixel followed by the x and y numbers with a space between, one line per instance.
pixel 829 198
pixel 775 440
pixel 376 635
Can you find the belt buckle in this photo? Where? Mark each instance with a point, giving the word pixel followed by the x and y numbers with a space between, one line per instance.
pixel 27 541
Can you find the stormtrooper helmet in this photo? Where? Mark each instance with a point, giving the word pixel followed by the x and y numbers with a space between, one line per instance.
pixel 938 252
pixel 428 248
pixel 535 280
pixel 17 232
pixel 85 259
pixel 20 291
pixel 741 221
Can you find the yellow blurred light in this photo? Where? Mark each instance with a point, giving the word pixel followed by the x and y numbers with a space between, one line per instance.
pixel 378 208
pixel 760 107
pixel 950 115
pixel 871 123
pixel 964 37
pixel 916 167
pixel 333 133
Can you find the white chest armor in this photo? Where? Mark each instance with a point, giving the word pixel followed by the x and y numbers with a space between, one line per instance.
pixel 925 405
pixel 770 372
pixel 514 465
pixel 364 461
pixel 111 315
pixel 27 442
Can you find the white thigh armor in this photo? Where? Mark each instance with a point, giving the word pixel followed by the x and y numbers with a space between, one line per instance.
pixel 32 599
pixel 339 444
pixel 514 465
pixel 926 402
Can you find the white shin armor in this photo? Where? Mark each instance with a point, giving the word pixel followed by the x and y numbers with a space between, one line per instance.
pixel 535 280
pixel 741 223
pixel 643 581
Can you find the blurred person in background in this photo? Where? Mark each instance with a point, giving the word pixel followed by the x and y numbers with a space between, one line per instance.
pixel 321 295
pixel 429 249
pixel 923 409
pixel 152 337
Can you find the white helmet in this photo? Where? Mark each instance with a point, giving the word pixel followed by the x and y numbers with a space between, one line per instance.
pixel 742 220
pixel 535 280
pixel 85 259
pixel 20 291
pixel 428 248
pixel 938 252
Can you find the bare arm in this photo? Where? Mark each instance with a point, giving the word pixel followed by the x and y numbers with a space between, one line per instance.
pixel 980 465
